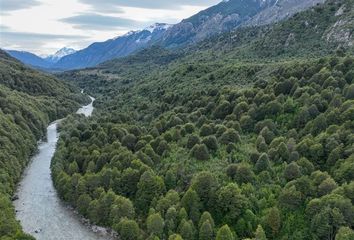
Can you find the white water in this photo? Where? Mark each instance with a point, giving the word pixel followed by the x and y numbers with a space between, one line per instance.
pixel 38 208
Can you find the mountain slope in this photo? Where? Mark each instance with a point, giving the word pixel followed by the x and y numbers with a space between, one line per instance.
pixel 281 9
pixel 29 58
pixel 29 100
pixel 113 48
pixel 228 15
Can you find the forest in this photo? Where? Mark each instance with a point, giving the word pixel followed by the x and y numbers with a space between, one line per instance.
pixel 245 135
pixel 220 141
pixel 29 100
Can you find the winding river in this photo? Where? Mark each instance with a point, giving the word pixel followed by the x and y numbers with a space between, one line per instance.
pixel 39 209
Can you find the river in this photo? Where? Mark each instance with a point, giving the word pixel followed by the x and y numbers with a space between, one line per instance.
pixel 38 207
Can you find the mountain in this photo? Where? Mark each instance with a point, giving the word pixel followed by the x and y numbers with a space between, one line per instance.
pixel 217 19
pixel 39 62
pixel 113 48
pixel 54 58
pixel 223 17
pixel 279 10
pixel 29 101
pixel 29 59
pixel 229 15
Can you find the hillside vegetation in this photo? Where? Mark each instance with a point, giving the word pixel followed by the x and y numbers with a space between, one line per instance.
pixel 248 135
pixel 29 100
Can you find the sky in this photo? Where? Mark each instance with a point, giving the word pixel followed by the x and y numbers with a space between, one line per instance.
pixel 44 26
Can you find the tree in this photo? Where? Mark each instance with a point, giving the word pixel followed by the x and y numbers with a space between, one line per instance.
pixel 175 237
pixel 222 110
pixel 349 93
pixel 290 198
pixel 292 171
pixel 326 222
pixel 127 229
pixel 205 184
pixel 262 163
pixel 206 231
pixel 149 187
pixel 200 152
pixel 129 141
pixel 73 168
pixel 206 130
pixel 345 233
pixel 155 224
pixel 171 219
pixel 187 230
pixel 260 234
pixel 192 141
pixel 122 208
pixel 191 203
pixel 211 142
pixel 83 203
pixel 206 216
pixel 327 186
pixel 267 135
pixel 244 173
pixel 231 203
pixel 273 220
pixel 224 233
pixel 230 136
pixel 231 171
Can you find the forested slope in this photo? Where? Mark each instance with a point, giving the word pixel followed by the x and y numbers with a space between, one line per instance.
pixel 29 100
pixel 248 139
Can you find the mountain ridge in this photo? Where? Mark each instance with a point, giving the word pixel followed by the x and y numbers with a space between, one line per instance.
pixel 223 17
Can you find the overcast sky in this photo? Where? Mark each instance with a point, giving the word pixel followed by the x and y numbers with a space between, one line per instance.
pixel 44 26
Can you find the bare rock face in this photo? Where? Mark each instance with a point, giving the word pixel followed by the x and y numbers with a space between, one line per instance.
pixel 342 31
pixel 231 14
pixel 280 10
pixel 223 17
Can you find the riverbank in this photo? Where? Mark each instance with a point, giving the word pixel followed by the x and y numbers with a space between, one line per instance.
pixel 39 208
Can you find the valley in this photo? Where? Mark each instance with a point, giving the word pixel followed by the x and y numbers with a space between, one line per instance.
pixel 38 207
pixel 236 123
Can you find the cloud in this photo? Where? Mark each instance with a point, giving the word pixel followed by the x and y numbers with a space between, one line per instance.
pixel 4 28
pixel 34 41
pixel 92 21
pixel 114 5
pixel 12 5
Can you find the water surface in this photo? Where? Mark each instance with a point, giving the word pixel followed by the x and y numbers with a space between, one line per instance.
pixel 39 209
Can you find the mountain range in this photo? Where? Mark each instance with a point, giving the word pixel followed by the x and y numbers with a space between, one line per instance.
pixel 40 62
pixel 223 17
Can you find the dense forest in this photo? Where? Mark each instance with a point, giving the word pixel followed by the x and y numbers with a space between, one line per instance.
pixel 230 139
pixel 29 100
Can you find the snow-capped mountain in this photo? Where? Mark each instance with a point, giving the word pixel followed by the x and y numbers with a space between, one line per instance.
pixel 54 58
pixel 223 17
pixel 120 46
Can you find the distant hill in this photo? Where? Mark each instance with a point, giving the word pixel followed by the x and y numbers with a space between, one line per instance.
pixel 29 59
pixel 35 61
